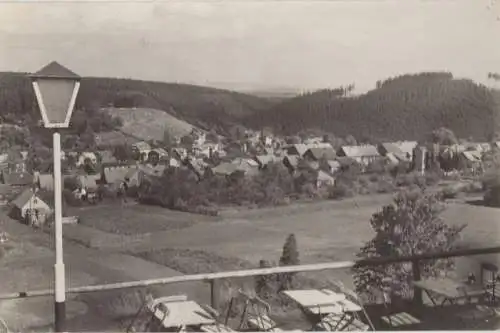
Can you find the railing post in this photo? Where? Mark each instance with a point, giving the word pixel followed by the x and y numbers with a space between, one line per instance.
pixel 417 292
pixel 213 294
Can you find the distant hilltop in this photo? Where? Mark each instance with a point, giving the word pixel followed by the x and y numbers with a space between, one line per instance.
pixel 404 107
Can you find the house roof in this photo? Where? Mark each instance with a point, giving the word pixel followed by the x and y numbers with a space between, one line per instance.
pixel 360 151
pixel 14 178
pixel 245 162
pixel 334 164
pixel 293 160
pixel 142 145
pixel 391 148
pixel 46 180
pixel 318 153
pixel 161 151
pixel 392 158
pixel 322 175
pixel 299 147
pixel 406 147
pixel 225 169
pixel 24 198
pixel 472 156
pixel 266 159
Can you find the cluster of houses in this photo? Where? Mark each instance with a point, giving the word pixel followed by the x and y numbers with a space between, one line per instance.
pixel 22 189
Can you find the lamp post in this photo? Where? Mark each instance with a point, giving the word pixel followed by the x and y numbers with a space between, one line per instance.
pixel 56 88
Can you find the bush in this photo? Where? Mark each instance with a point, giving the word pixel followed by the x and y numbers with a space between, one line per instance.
pixel 449 192
pixel 339 191
pixel 385 186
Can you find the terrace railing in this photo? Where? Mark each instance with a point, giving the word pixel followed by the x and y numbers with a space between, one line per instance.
pixel 212 278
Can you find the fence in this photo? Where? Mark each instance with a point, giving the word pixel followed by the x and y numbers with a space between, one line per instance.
pixel 212 278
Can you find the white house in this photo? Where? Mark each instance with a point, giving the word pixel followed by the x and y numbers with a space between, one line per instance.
pixel 28 202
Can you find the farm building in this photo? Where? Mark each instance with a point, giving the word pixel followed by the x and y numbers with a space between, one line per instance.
pixel 316 154
pixel 362 154
pixel 29 204
pixel 324 179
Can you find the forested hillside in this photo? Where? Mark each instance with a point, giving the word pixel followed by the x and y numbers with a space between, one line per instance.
pixel 201 106
pixel 405 107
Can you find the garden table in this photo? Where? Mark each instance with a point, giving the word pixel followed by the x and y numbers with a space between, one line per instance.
pixel 449 290
pixel 183 314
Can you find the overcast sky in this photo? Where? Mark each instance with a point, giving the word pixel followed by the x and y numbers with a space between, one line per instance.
pixel 253 44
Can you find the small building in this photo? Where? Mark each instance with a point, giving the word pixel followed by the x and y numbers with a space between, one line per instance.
pixel 141 149
pixel 364 154
pixel 324 179
pixel 470 160
pixel 291 162
pixel 264 160
pixel 29 203
pixel 316 154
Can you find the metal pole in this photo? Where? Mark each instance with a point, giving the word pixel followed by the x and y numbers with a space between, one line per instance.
pixel 60 289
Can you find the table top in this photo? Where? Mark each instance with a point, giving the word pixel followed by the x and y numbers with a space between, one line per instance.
pixel 449 288
pixel 322 301
pixel 184 313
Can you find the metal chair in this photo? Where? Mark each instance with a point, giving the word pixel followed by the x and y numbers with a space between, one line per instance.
pixel 256 314
pixel 490 280
pixel 397 319
pixel 217 327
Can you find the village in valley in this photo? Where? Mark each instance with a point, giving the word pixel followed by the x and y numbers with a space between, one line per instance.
pixel 240 169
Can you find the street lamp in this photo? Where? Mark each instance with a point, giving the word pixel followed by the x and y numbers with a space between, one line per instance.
pixel 56 88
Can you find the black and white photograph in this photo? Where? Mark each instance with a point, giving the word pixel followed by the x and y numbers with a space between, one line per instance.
pixel 249 165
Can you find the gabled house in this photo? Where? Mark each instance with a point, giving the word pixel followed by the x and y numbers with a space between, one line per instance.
pixel 296 149
pixel 324 179
pixel 470 160
pixel 141 149
pixel 29 203
pixel 291 162
pixel 407 147
pixel 317 154
pixel 247 165
pixel 156 155
pixel 364 154
pixel 264 160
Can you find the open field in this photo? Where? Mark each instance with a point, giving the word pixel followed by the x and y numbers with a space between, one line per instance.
pixel 148 124
pixel 135 219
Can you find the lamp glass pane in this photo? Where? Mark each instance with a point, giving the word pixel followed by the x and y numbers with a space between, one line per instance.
pixel 56 95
